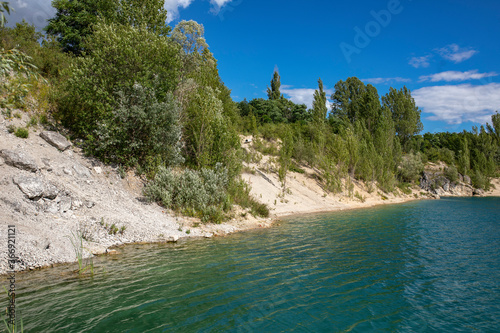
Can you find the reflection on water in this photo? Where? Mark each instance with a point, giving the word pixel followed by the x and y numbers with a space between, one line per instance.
pixel 430 266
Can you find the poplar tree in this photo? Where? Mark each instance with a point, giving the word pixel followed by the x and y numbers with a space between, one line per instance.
pixel 273 93
pixel 319 103
pixel 405 113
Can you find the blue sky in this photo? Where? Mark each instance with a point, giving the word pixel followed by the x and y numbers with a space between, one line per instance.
pixel 445 51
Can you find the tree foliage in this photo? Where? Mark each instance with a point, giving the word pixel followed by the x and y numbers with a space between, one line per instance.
pixel 114 64
pixel 190 35
pixel 74 19
pixel 273 92
pixel 141 130
pixel 319 108
pixel 405 113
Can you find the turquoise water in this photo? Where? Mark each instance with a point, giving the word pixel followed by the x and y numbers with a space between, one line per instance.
pixel 426 266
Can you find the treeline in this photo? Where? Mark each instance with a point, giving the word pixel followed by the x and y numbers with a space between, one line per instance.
pixel 367 137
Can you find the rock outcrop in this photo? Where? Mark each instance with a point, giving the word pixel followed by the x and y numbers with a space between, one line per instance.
pixel 19 159
pixel 437 184
pixel 56 140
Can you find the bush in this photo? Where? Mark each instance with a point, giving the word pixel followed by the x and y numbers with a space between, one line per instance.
pixel 16 70
pixel 240 193
pixel 22 133
pixel 405 188
pixel 200 193
pixel 141 130
pixel 411 167
pixel 451 173
pixel 260 209
pixel 479 180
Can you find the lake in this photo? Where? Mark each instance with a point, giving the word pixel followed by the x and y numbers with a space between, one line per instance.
pixel 423 266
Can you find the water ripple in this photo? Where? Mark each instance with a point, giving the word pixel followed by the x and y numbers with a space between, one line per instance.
pixel 421 267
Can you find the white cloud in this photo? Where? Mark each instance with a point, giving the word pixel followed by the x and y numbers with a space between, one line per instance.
pixel 418 62
pixel 303 95
pixel 219 3
pixel 456 76
pixel 172 7
pixel 455 53
pixel 379 80
pixel 456 104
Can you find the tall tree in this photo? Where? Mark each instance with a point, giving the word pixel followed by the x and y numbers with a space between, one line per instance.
pixel 74 19
pixel 273 93
pixel 285 158
pixel 405 113
pixel 348 99
pixel 370 109
pixel 494 129
pixel 190 35
pixel 319 108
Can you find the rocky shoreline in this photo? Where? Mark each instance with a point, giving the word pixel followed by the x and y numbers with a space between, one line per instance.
pixel 50 191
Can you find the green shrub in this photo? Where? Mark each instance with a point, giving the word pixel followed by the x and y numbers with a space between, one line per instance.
pixel 141 130
pixel 405 187
pixel 451 173
pixel 411 167
pixel 210 137
pixel 33 121
pixel 259 209
pixel 22 132
pixel 200 193
pixel 479 180
pixel 46 56
pixel 359 197
pixel 213 214
pixel 295 168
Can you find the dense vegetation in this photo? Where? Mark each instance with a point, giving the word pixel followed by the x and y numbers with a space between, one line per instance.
pixel 143 95
pixel 369 138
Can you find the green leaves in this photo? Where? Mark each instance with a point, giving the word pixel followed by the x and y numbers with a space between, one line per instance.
pixel 208 136
pixel 15 87
pixel 319 109
pixel 4 7
pixel 141 130
pixel 405 113
pixel 273 93
pixel 75 19
pixel 201 193
pixel 119 56
pixel 190 36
